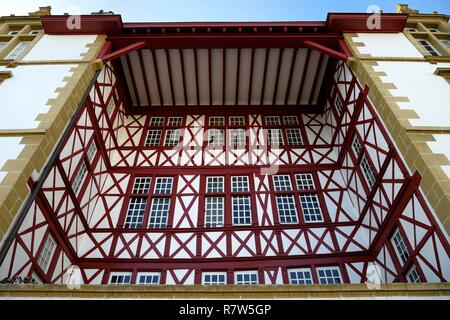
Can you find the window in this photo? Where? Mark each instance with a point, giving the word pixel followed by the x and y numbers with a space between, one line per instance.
pixel 163 185
pixel 216 121
pixel 356 146
pixel 79 178
pixel 300 276
pixel 172 137
pixel 246 277
pixel 444 42
pixel 434 30
pixel 142 185
pixel 13 33
pixel 34 32
pixel 367 169
pixel 17 50
pixel 294 136
pixel 286 209
pixel 214 184
pixel 236 121
pixel 329 275
pixel 215 137
pixel 304 181
pixel 111 106
pixel 148 278
pixel 175 121
pixel 239 184
pixel 135 213
pixel 290 120
pixel 412 29
pixel 242 214
pixel 153 138
pixel 400 246
pixel 159 213
pixel 91 150
pixel 214 278
pixel 157 121
pixel 214 212
pixel 46 253
pixel 272 120
pixel 237 137
pixel 2 44
pixel 275 137
pixel 311 208
pixel 427 46
pixel 282 183
pixel 338 103
pixel 412 275
pixel 120 278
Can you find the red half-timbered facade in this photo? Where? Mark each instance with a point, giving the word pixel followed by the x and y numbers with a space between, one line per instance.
pixel 228 154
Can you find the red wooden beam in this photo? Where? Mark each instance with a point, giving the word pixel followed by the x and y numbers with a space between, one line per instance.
pixel 123 51
pixel 325 50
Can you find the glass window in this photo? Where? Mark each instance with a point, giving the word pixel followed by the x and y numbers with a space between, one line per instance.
pixel 238 137
pixel 237 121
pixel 339 104
pixel 172 137
pixel 246 277
pixel 175 121
pixel 216 121
pixel 91 150
pixel 427 46
pixel 157 121
pixel 141 185
pixel 282 183
pixel 239 184
pixel 412 275
pixel 214 212
pixel 286 209
pixel 215 137
pixel 215 184
pixel 79 178
pixel 149 278
pixel 120 278
pixel 272 120
pixel 242 214
pixel 159 213
pixel 300 276
pixel 46 253
pixel 367 169
pixel 163 185
pixel 153 138
pixel 17 50
pixel 356 145
pixel 214 278
pixel 311 208
pixel 444 42
pixel 294 136
pixel 329 275
pixel 275 137
pixel 135 213
pixel 400 246
pixel 290 120
pixel 304 181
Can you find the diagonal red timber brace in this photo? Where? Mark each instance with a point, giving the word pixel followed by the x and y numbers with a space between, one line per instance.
pixel 323 49
pixel 123 51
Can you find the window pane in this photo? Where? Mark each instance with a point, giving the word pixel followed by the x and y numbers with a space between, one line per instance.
pixel 282 183
pixel 153 138
pixel 275 137
pixel 304 181
pixel 141 185
pixel 239 184
pixel 294 136
pixel 214 209
pixel 286 209
pixel 215 137
pixel 157 121
pixel 175 121
pixel 159 213
pixel 237 121
pixel 242 214
pixel 217 121
pixel 272 120
pixel 215 184
pixel 46 253
pixel 329 275
pixel 172 137
pixel 290 120
pixel 300 276
pixel 246 278
pixel 163 185
pixel 135 213
pixel 311 207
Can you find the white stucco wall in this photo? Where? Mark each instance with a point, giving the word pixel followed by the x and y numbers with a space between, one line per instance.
pixel 53 47
pixel 441 145
pixel 25 95
pixel 386 45
pixel 428 94
pixel 9 149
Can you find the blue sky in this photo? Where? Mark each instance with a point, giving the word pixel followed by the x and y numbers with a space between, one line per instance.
pixel 219 10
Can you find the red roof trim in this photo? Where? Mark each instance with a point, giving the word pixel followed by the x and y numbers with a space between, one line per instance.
pixel 357 22
pixel 89 24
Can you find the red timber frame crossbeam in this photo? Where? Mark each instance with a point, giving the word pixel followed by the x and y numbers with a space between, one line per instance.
pixel 321 48
pixel 123 51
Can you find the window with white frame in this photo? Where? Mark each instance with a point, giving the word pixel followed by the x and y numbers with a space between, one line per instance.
pixel 46 253
pixel 304 181
pixel 216 137
pixel 142 185
pixel 367 170
pixel 282 182
pixel 356 145
pixel 13 32
pixel 300 276
pixel 236 121
pixel 446 43
pixel 79 178
pixel 246 277
pixel 428 47
pixel 214 278
pixel 311 208
pixel 400 246
pixel 175 121
pixel 135 212
pixel 412 275
pixel 34 32
pixel 172 137
pixel 237 137
pixel 91 150
pixel 239 184
pixel 434 30
pixel 163 185
pixel 286 209
pixel 17 50
pixel 294 136
pixel 153 138
pixel 216 121
pixel 2 44
pixel 215 184
pixel 148 278
pixel 338 103
pixel 120 278
pixel 241 209
pixel 159 213
pixel 272 120
pixel 290 120
pixel 157 121
pixel 111 106
pixel 329 275
pixel 412 29
pixel 275 137
pixel 214 212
